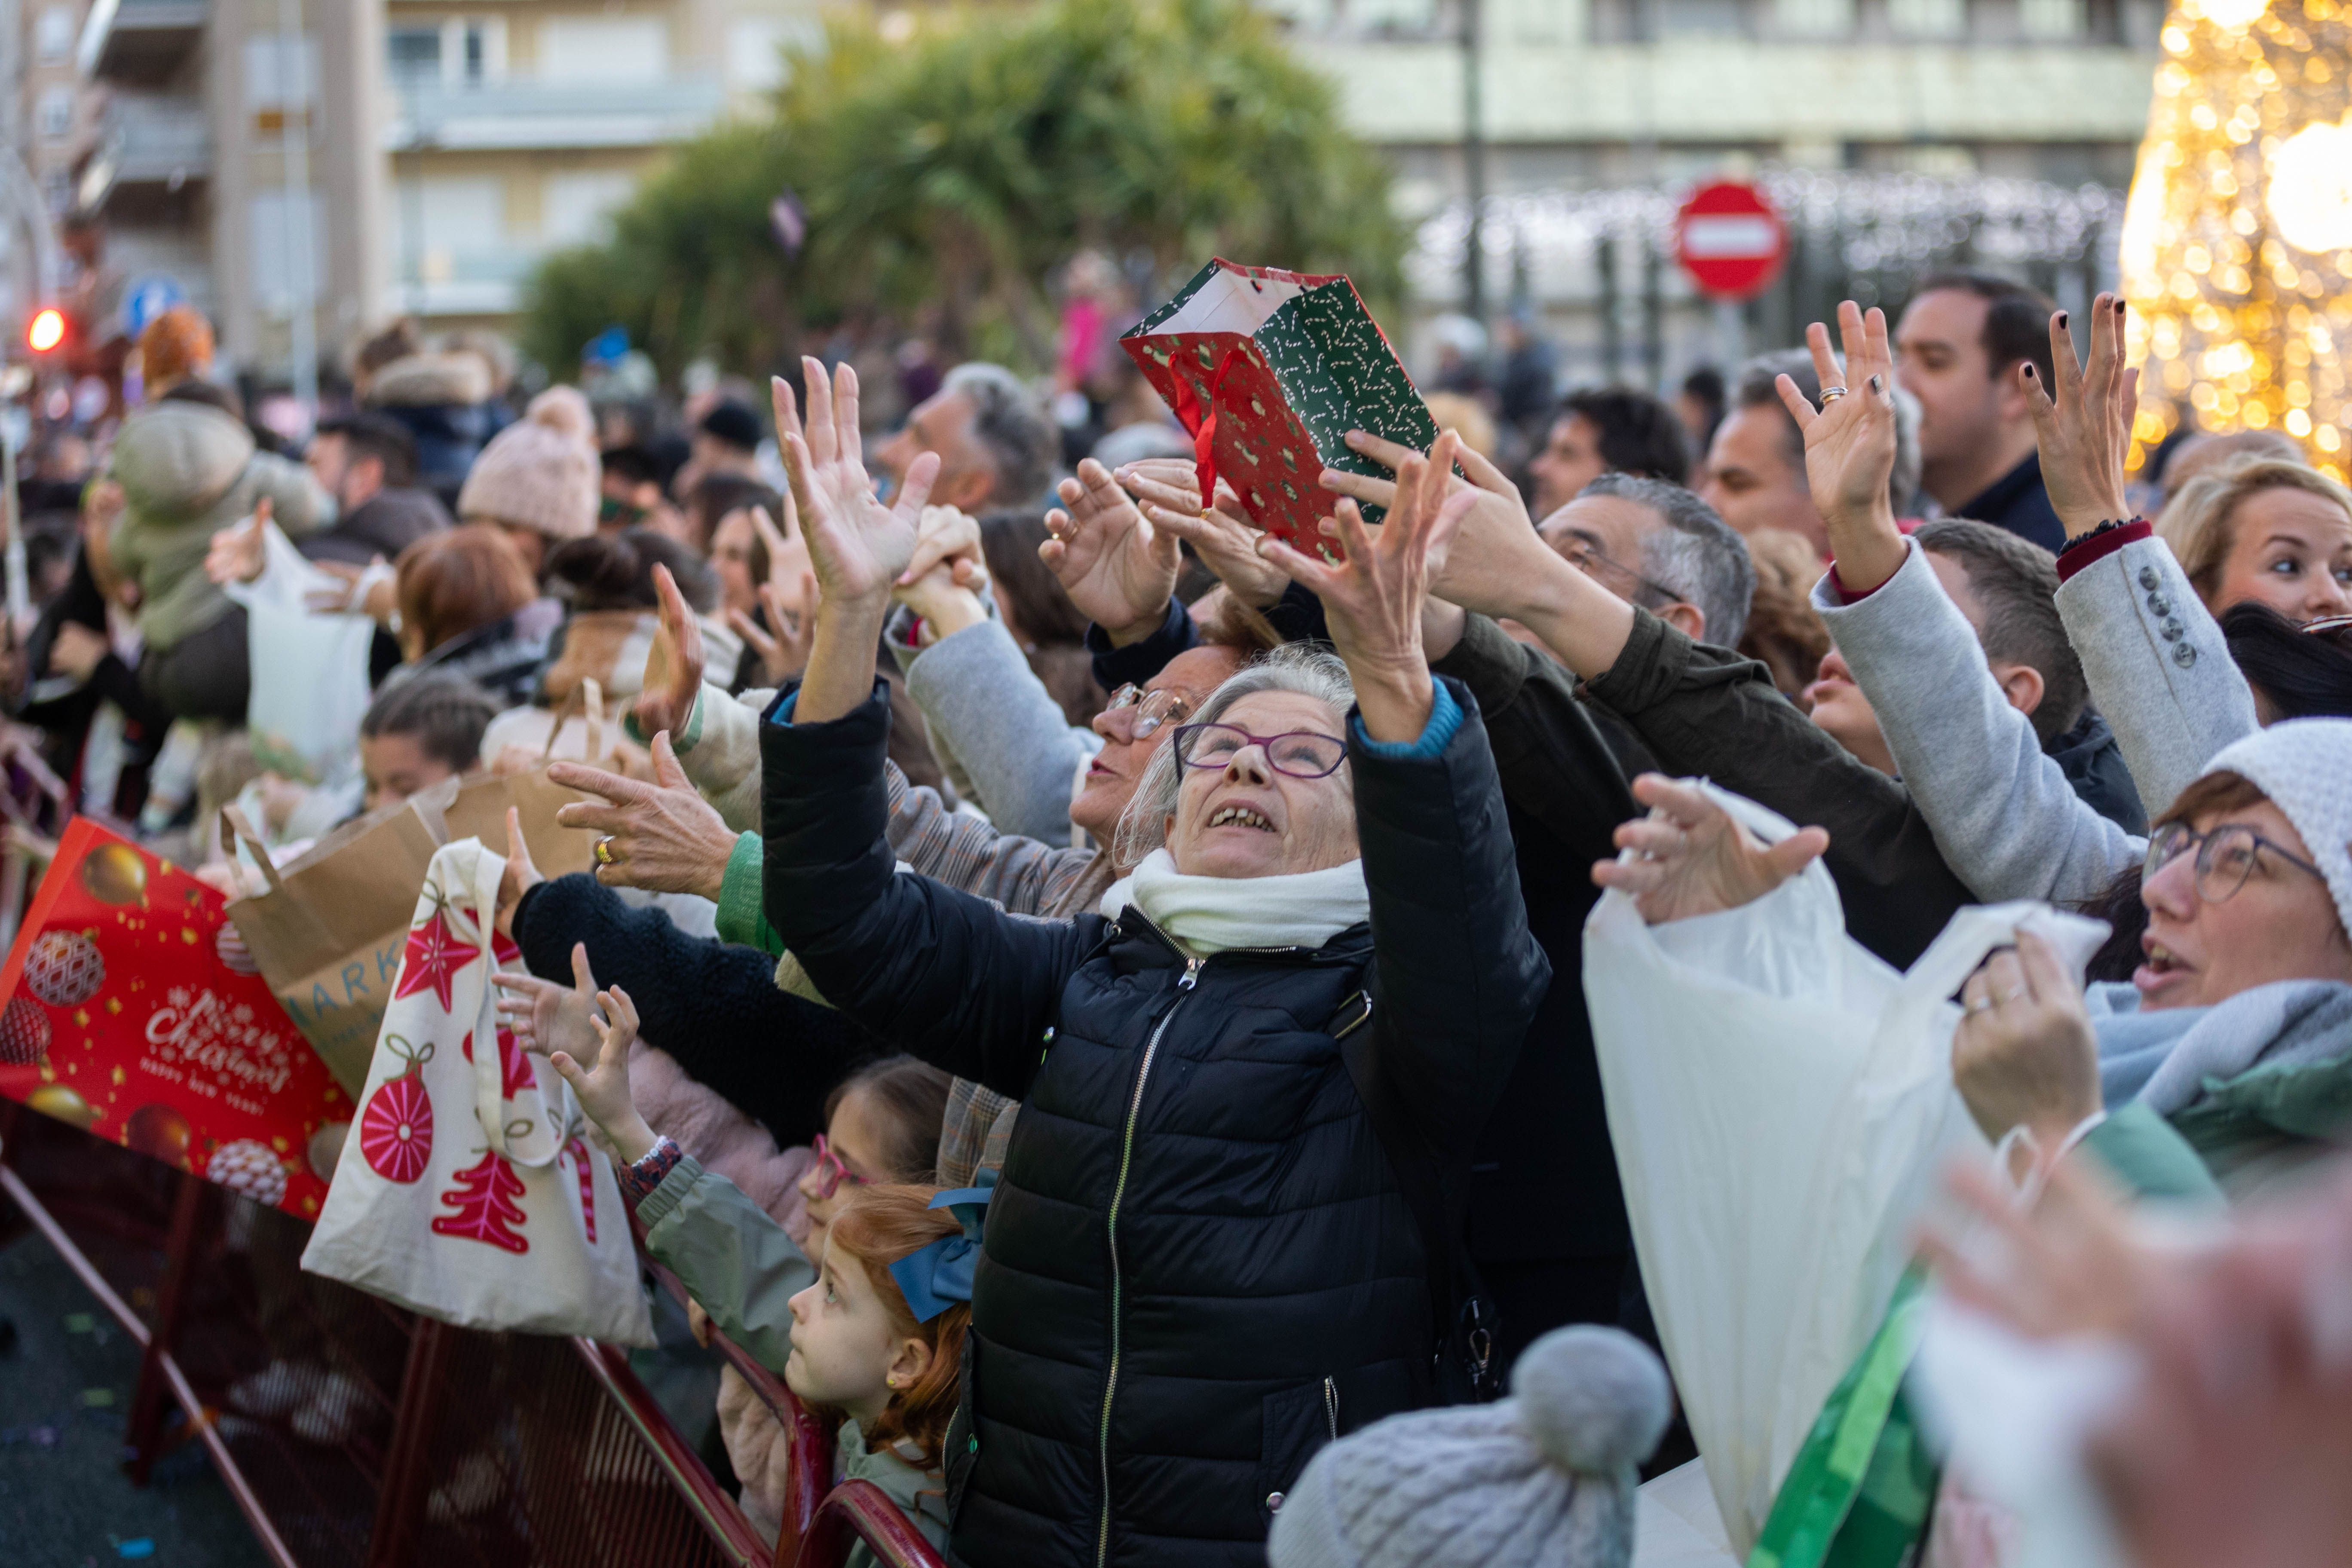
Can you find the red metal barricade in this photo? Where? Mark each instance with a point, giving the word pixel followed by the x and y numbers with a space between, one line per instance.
pixel 423 1443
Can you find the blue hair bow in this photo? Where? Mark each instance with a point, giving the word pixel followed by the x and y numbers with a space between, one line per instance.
pixel 937 1276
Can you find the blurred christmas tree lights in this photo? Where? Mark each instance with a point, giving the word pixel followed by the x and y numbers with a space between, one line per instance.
pixel 2237 240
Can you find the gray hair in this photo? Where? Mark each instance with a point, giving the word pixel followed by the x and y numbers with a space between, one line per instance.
pixel 1301 668
pixel 1754 388
pixel 1696 555
pixel 1022 441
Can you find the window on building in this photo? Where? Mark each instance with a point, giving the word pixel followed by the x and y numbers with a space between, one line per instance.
pixel 441 223
pixel 53 34
pixel 756 46
pixel 53 116
pixel 1812 18
pixel 278 77
pixel 287 271
pixel 575 205
pixel 2051 19
pixel 1701 19
pixel 1928 18
pixel 413 55
pixel 603 49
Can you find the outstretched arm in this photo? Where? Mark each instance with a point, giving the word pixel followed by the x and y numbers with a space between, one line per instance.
pixel 1457 976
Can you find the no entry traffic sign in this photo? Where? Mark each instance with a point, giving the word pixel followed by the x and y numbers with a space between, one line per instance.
pixel 1730 239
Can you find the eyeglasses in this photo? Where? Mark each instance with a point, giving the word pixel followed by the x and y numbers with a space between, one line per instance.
pixel 2225 856
pixel 1152 708
pixel 1301 753
pixel 830 1172
pixel 1585 556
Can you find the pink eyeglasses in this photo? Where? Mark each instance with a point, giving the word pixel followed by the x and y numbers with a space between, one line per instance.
pixel 830 1172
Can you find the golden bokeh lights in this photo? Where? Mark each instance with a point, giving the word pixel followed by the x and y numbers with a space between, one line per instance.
pixel 2237 241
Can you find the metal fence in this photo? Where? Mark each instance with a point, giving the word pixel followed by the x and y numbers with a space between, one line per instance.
pixel 369 1436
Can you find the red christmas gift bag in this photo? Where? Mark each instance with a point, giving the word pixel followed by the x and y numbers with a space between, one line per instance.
pixel 468 1190
pixel 124 1011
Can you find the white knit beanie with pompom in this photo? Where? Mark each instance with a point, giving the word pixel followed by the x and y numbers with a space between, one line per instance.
pixel 2305 765
pixel 542 472
pixel 1544 1478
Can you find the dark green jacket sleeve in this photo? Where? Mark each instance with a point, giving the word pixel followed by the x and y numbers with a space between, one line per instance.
pixel 1553 761
pixel 1708 711
pixel 729 1255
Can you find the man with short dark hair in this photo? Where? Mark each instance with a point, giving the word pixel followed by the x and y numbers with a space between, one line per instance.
pixel 1755 474
pixel 2007 589
pixel 367 461
pixel 996 445
pixel 1659 546
pixel 1608 430
pixel 727 441
pixel 1975 350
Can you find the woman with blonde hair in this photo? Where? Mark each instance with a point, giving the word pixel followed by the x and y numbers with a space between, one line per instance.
pixel 2266 531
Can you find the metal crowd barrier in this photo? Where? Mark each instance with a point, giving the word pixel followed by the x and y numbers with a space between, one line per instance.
pixel 450 1447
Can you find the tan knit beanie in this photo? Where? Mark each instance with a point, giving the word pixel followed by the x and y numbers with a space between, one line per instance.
pixel 542 472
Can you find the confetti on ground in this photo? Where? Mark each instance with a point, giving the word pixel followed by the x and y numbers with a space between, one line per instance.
pixel 143 1547
pixel 80 1322
pixel 96 1398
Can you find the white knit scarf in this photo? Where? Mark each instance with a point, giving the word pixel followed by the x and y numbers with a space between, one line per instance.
pixel 1212 914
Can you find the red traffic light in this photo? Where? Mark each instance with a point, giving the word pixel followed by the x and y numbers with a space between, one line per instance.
pixel 46 330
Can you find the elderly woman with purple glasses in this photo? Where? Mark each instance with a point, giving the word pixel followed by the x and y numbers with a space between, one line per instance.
pixel 1251 1079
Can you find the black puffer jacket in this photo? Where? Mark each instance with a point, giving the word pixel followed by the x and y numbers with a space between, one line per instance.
pixel 1198 1265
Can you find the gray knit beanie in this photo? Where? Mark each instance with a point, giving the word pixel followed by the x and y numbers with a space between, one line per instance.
pixel 2305 765
pixel 1544 1478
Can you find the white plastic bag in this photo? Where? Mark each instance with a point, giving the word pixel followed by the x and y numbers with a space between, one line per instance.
pixel 1782 1103
pixel 467 1189
pixel 310 669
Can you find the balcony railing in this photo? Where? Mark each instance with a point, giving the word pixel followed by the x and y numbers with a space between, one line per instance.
pixel 139 40
pixel 146 141
pixel 519 112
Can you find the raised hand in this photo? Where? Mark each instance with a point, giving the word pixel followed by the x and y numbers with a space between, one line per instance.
pixel 858 545
pixel 662 837
pixel 239 551
pixel 1850 445
pixel 545 1017
pixel 520 875
pixel 673 665
pixel 1496 557
pixel 1693 857
pixel 1115 565
pixel 1168 490
pixel 946 536
pixel 2085 434
pixel 783 653
pixel 601 1077
pixel 1373 599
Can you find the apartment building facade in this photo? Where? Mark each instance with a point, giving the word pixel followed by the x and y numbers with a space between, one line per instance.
pixel 303 170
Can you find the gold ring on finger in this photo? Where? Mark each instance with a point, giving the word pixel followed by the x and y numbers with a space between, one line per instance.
pixel 604 850
pixel 1830 394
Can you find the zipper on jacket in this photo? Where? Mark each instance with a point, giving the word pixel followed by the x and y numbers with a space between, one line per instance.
pixel 1126 1155
pixel 1331 1407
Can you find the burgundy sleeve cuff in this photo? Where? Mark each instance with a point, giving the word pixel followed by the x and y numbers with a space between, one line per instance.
pixel 1847 595
pixel 2099 543
pixel 640 1179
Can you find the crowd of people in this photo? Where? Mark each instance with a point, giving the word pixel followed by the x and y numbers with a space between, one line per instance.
pixel 1093 997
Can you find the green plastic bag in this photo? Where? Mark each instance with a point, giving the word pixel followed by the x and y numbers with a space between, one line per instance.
pixel 1860 1489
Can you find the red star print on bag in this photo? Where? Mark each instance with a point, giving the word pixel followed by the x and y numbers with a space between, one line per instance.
pixel 515 1072
pixel 432 959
